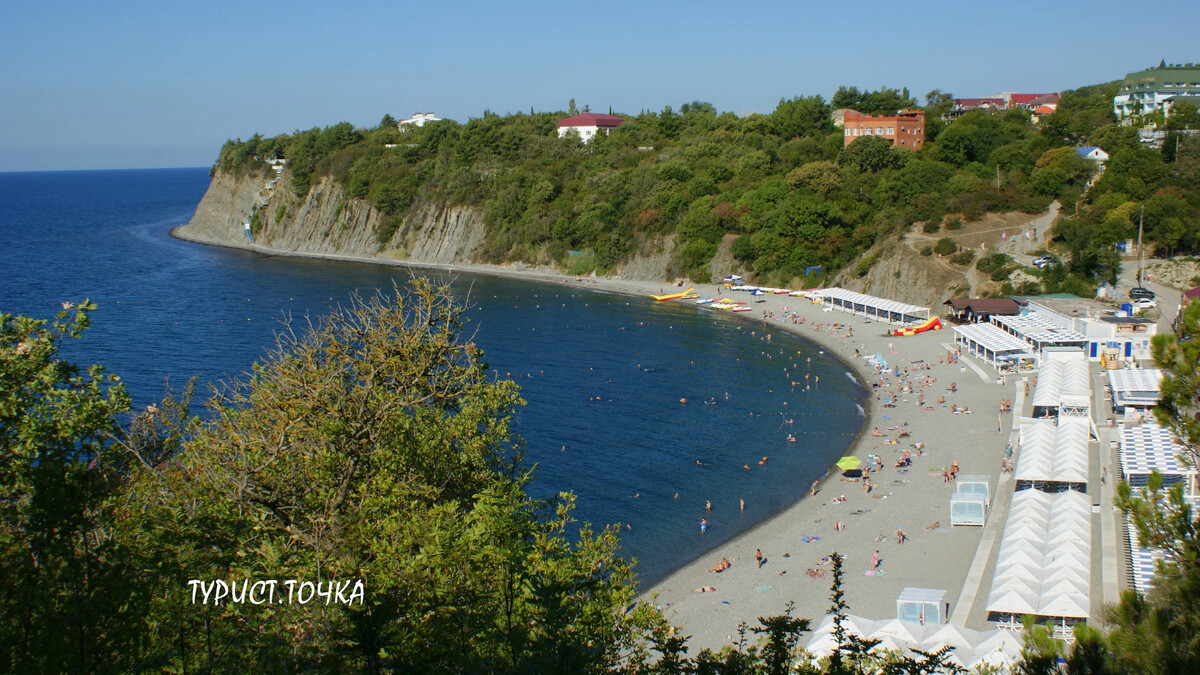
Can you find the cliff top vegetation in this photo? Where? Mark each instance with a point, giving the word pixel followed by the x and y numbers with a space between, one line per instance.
pixel 780 189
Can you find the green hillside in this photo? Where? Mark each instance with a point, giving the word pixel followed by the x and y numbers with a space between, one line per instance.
pixel 782 183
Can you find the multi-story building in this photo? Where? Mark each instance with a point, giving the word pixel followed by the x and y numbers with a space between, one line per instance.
pixel 1146 91
pixel 904 129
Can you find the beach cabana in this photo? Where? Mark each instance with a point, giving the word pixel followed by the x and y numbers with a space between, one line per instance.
pixel 1148 447
pixel 871 307
pixel 1134 391
pixel 968 508
pixel 922 606
pixel 997 348
pixel 975 485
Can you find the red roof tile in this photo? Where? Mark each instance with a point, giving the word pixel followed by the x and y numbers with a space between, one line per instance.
pixel 590 119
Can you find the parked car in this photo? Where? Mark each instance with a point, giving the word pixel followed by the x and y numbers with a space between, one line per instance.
pixel 1139 293
pixel 1043 261
pixel 1145 303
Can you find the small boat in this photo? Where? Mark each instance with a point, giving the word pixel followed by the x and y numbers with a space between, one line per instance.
pixel 743 309
pixel 704 300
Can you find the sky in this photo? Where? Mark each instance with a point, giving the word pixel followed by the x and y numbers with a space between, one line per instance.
pixel 109 85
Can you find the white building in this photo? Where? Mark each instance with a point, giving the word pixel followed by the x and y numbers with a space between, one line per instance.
pixel 1103 334
pixel 1145 91
pixel 1093 153
pixel 418 120
pixel 588 124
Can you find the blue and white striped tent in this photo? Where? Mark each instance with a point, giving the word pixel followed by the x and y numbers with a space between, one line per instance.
pixel 1149 447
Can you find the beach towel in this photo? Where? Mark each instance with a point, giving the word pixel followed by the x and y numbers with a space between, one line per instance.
pixel 808 538
pixel 763 589
pixel 874 573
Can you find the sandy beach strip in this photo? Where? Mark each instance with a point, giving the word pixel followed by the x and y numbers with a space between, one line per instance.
pixel 795 541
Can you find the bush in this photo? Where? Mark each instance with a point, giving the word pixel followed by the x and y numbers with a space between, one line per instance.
pixel 945 246
pixel 931 227
pixel 963 257
pixel 927 251
pixel 954 223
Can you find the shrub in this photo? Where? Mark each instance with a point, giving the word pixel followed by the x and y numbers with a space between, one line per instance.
pixel 927 251
pixel 930 227
pixel 954 223
pixel 963 257
pixel 945 246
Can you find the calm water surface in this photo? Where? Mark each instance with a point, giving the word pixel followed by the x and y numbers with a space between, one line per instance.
pixel 603 374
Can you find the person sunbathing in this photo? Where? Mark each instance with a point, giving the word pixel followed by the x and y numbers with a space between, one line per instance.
pixel 705 589
pixel 936 524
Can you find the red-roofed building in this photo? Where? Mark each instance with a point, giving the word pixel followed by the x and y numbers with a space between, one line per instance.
pixel 905 129
pixel 588 124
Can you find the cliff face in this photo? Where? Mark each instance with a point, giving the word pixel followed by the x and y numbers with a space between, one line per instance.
pixel 327 221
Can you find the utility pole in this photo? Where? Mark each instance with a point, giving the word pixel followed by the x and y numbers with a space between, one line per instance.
pixel 997 175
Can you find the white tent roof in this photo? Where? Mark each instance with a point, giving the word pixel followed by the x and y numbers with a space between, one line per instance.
pixel 971 648
pixel 1051 452
pixel 1043 566
pixel 1063 374
pixel 1135 386
pixel 871 304
pixel 991 338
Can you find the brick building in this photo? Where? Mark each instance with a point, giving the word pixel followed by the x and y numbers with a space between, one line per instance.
pixel 904 129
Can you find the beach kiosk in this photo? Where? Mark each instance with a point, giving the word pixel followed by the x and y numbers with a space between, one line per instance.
pixel 925 606
pixel 968 508
pixel 975 485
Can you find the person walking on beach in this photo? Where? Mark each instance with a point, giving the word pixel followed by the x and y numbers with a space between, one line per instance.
pixel 900 536
pixel 758 556
pixel 816 484
pixel 875 560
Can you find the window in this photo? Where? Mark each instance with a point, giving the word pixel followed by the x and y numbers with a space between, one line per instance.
pixel 847 132
pixel 878 131
pixel 891 131
pixel 856 132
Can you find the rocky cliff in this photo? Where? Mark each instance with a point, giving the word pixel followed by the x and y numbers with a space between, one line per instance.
pixel 327 221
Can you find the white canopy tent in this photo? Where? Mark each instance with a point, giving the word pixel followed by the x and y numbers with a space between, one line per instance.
pixel 968 508
pixel 1043 566
pixel 1054 453
pixel 880 309
pixel 972 648
pixel 993 345
pixel 1064 385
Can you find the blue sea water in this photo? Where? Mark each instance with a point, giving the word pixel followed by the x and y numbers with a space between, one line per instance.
pixel 602 374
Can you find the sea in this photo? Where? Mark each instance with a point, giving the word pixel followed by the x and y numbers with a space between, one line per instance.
pixel 604 375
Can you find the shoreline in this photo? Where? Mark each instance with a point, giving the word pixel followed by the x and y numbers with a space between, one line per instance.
pixel 746 591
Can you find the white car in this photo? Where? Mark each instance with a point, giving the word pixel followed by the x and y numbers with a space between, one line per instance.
pixel 1145 303
pixel 1042 261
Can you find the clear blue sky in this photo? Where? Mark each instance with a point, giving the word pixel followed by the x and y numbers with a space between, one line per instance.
pixel 89 85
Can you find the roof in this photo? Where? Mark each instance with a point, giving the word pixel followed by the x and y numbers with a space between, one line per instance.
pixel 1043 110
pixel 1002 306
pixel 590 119
pixel 1176 76
pixel 1192 293
pixel 1149 447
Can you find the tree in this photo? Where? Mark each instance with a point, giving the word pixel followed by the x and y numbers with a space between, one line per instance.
pixel 801 116
pixel 387 122
pixel 61 570
pixel 851 651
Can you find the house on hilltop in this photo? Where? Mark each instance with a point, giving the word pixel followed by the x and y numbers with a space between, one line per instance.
pixel 418 120
pixel 1093 153
pixel 588 124
pixel 904 129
